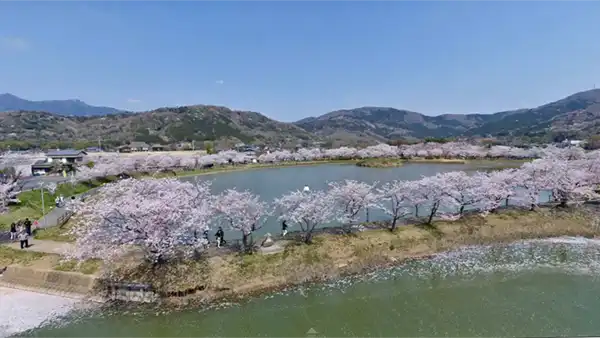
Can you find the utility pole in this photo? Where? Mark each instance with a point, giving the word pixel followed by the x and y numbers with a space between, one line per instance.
pixel 100 143
pixel 193 145
pixel 43 205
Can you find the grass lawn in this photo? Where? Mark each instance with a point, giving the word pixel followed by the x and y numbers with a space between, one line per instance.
pixel 11 256
pixel 31 201
pixel 45 261
pixel 58 234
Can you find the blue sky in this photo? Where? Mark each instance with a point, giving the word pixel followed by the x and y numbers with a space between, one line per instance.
pixel 290 60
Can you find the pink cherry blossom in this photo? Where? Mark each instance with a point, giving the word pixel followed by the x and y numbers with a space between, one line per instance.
pixel 162 217
pixel 242 211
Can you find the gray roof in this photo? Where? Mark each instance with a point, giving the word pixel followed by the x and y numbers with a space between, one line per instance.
pixel 139 145
pixel 66 152
pixel 42 164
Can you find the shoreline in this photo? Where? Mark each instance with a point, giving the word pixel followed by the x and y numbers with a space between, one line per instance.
pixel 235 277
pixel 288 164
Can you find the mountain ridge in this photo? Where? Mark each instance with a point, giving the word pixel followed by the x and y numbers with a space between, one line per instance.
pixel 75 107
pixel 576 115
pixel 582 108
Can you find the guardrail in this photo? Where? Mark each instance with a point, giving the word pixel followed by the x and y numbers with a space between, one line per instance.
pixel 64 218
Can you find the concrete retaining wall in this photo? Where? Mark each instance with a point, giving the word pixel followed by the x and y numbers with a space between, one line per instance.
pixel 57 281
pixel 74 285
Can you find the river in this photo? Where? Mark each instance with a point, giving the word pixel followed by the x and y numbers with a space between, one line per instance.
pixel 526 289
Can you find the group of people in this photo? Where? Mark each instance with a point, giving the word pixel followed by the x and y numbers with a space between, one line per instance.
pixel 219 236
pixel 21 230
pixel 60 201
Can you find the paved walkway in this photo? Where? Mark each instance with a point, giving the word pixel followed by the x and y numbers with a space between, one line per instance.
pixel 45 246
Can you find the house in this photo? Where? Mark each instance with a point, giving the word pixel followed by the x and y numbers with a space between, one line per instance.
pixel 184 146
pixel 42 167
pixel 65 156
pixel 134 146
pixel 573 143
pixel 57 159
pixel 93 150
pixel 158 147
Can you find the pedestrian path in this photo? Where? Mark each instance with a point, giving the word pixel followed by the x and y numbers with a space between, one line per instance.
pixel 44 246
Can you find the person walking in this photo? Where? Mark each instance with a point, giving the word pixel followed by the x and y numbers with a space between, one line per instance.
pixel 206 239
pixel 28 226
pixel 13 231
pixel 284 228
pixel 220 237
pixel 23 238
pixel 57 201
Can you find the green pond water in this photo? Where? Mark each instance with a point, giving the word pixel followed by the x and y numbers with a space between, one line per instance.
pixel 527 289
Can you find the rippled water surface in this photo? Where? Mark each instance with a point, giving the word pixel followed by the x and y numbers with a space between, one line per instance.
pixel 534 288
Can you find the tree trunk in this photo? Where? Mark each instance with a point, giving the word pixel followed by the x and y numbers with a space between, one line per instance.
pixel 247 242
pixel 462 209
pixel 434 208
pixel 394 221
pixel 430 217
pixel 308 237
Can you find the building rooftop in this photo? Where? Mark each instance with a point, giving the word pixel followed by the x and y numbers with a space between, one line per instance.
pixel 42 164
pixel 66 152
pixel 139 145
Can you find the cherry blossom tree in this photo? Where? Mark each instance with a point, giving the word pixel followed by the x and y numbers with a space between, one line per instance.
pixel 242 211
pixel 307 209
pixel 396 200
pixel 533 178
pixel 570 180
pixel 351 197
pixel 498 188
pixel 466 191
pixel 160 216
pixel 8 191
pixel 434 193
pixel 9 187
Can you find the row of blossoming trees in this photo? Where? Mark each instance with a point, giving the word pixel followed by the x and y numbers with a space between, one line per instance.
pixel 115 165
pixel 167 217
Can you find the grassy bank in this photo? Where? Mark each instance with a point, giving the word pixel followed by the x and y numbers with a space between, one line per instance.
pixel 333 256
pixel 251 166
pixel 381 163
pixel 44 261
pixel 31 201
pixel 473 164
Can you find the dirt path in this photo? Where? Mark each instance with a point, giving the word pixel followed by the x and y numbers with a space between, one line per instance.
pixel 45 246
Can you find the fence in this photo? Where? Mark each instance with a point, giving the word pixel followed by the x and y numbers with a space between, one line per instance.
pixel 64 218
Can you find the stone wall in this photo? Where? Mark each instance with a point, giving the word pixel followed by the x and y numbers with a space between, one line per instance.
pixel 128 295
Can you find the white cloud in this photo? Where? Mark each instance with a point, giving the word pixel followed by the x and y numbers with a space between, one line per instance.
pixel 134 100
pixel 13 43
pixel 219 82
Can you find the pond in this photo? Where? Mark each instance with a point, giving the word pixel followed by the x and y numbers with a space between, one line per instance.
pixel 274 182
pixel 526 289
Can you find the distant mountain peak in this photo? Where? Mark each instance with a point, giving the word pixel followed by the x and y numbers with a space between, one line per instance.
pixel 76 107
